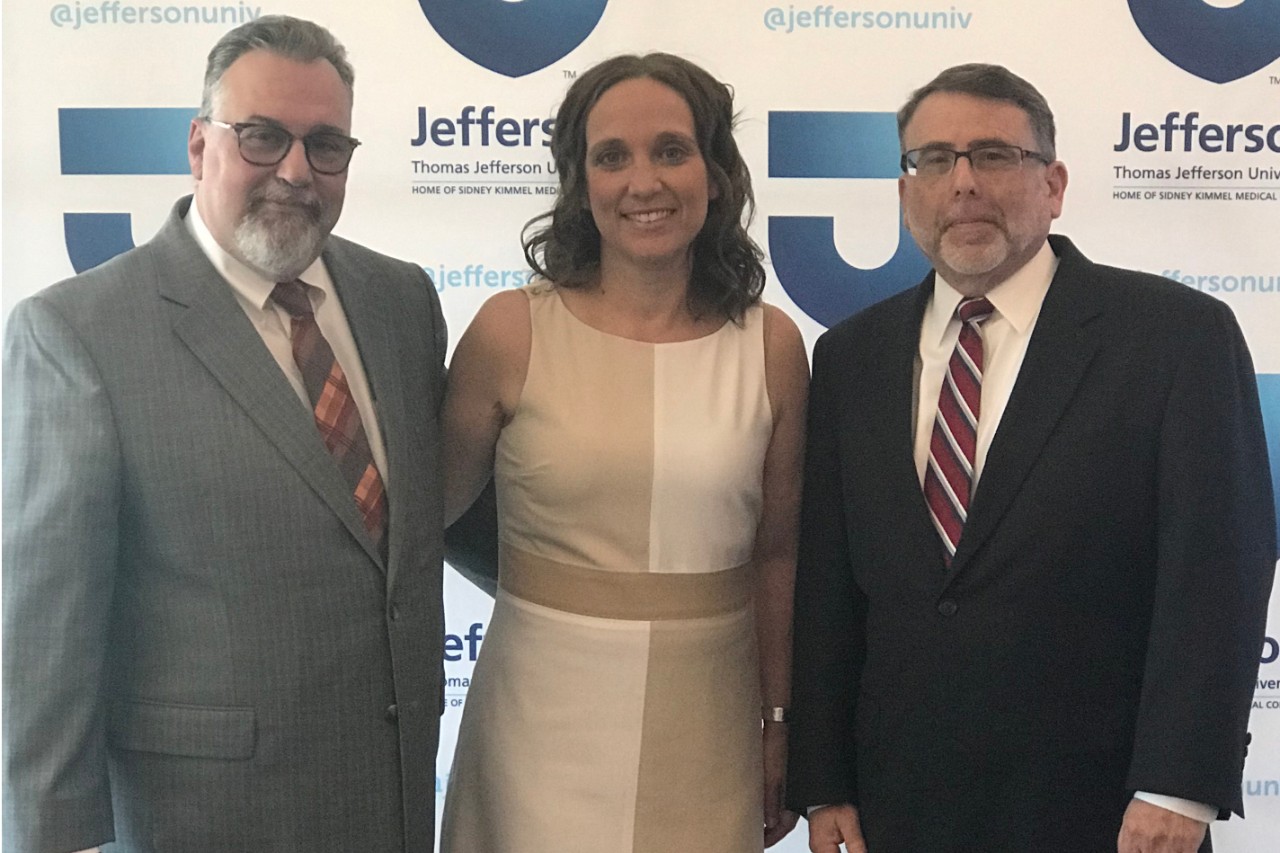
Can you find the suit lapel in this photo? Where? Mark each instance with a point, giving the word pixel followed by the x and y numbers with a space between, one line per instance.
pixel 902 360
pixel 214 327
pixel 370 314
pixel 1064 342
pixel 895 386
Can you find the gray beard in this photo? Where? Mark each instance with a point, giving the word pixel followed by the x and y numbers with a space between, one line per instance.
pixel 964 262
pixel 281 244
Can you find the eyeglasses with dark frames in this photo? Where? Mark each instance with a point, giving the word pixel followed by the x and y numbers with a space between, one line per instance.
pixel 261 144
pixel 995 157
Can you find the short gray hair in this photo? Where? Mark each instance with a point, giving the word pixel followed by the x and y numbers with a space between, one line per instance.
pixel 282 35
pixel 993 82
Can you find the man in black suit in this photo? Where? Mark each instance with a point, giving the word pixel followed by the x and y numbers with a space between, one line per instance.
pixel 1038 535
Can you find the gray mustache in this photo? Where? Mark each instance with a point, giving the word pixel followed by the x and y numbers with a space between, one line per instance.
pixel 302 200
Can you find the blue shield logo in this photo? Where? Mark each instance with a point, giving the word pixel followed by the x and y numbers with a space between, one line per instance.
pixel 1219 45
pixel 802 248
pixel 115 141
pixel 513 37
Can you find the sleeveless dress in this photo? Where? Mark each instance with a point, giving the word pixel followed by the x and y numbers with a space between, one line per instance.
pixel 615 704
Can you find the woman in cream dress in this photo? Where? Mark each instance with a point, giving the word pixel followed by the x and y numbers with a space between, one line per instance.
pixel 642 413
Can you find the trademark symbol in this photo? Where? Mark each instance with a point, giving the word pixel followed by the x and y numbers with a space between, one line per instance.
pixel 570 75
pixel 1275 81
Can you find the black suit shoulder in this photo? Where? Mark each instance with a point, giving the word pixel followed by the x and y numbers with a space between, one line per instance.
pixel 872 318
pixel 869 327
pixel 1119 284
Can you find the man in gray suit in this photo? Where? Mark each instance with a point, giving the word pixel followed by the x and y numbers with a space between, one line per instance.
pixel 222 543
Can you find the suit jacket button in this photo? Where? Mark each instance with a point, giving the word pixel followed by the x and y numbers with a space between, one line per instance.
pixel 393 713
pixel 393 612
pixel 947 607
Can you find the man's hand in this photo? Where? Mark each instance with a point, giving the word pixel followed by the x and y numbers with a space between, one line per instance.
pixel 778 821
pixel 1149 828
pixel 775 832
pixel 831 825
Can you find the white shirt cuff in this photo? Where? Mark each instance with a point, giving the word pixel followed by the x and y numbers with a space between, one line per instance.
pixel 1187 808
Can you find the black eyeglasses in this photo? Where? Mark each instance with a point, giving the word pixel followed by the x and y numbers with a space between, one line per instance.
pixel 938 162
pixel 267 144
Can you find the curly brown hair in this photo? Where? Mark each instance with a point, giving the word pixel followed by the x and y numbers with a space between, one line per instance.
pixel 728 275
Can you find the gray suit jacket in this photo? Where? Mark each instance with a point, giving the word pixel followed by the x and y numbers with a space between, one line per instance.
pixel 203 650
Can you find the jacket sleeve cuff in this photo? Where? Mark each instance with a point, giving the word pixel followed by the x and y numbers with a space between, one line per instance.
pixel 1187 808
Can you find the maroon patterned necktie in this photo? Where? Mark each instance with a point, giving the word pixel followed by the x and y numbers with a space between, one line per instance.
pixel 335 409
pixel 948 479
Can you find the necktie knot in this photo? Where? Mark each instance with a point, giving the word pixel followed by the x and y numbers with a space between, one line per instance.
pixel 975 310
pixel 292 297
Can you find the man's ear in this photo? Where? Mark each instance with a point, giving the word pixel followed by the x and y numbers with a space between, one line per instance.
pixel 1056 178
pixel 195 148
pixel 902 203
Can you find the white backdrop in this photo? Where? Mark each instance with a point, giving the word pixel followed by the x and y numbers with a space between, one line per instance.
pixel 451 96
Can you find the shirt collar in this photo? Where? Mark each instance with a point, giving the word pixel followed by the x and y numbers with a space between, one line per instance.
pixel 245 281
pixel 1017 299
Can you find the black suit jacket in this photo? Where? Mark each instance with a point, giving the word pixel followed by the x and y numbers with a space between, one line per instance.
pixel 1100 627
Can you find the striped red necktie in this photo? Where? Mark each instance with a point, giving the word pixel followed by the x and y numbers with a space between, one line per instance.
pixel 335 410
pixel 948 479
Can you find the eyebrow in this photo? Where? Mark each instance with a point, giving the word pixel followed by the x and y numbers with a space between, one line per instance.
pixel 676 136
pixel 603 144
pixel 257 118
pixel 666 137
pixel 976 143
pixel 663 136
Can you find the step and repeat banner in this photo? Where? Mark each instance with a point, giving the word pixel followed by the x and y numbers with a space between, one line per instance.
pixel 1168 114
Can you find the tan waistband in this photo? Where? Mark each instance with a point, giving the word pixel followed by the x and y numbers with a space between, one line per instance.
pixel 622 595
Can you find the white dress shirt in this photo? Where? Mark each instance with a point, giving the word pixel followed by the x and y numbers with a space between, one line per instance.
pixel 1005 336
pixel 275 326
